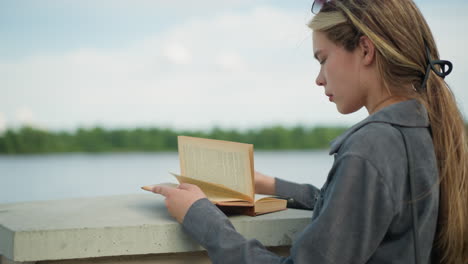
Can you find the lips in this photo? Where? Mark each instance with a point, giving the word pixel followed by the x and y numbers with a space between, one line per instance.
pixel 330 97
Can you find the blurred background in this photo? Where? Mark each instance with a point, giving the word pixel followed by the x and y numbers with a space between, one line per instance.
pixel 94 92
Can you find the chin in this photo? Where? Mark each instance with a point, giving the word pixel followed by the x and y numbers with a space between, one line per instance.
pixel 347 110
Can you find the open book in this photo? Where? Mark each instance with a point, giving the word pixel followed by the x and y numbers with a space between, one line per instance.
pixel 224 171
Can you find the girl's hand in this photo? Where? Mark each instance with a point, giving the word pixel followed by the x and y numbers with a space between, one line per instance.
pixel 264 184
pixel 179 200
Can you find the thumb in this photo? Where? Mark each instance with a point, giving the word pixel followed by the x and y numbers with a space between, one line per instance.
pixel 163 190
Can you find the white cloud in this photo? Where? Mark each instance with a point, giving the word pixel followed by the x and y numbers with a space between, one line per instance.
pixel 231 61
pixel 177 53
pixel 25 116
pixel 232 69
pixel 189 75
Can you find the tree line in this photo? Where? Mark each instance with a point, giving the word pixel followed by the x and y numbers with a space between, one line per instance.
pixel 28 140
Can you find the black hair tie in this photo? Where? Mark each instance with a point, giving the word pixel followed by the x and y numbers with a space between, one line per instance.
pixel 442 72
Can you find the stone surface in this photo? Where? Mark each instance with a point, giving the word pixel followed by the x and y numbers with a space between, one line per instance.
pixel 122 225
pixel 199 257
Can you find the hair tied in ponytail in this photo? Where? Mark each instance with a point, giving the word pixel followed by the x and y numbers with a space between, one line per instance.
pixel 441 72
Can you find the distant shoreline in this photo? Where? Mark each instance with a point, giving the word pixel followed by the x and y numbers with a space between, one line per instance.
pixel 28 140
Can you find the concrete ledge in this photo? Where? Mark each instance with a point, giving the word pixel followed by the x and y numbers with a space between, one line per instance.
pixel 118 226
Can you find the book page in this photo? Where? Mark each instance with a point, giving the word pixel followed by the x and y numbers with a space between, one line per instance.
pixel 220 162
pixel 263 204
pixel 215 192
pixel 259 197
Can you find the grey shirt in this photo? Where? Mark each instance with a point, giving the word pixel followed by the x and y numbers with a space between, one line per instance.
pixel 362 214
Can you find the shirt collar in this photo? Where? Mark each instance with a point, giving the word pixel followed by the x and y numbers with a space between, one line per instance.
pixel 407 114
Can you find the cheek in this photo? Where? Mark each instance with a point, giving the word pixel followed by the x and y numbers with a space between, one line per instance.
pixel 344 66
pixel 344 72
pixel 337 77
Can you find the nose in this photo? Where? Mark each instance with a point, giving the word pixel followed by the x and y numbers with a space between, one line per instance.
pixel 320 80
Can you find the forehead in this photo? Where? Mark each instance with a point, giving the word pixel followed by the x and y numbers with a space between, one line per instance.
pixel 320 40
pixel 321 43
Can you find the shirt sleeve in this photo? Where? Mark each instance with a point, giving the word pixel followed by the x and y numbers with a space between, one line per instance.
pixel 300 196
pixel 219 237
pixel 352 220
pixel 353 217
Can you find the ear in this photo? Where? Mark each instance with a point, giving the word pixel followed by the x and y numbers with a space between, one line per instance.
pixel 367 50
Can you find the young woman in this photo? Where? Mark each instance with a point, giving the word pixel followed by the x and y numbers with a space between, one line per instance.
pixel 398 188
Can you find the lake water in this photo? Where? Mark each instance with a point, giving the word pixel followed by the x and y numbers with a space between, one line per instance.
pixel 50 177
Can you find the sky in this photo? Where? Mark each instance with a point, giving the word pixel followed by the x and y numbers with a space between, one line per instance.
pixel 179 64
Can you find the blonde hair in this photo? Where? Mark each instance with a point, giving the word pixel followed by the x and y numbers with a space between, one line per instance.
pixel 400 34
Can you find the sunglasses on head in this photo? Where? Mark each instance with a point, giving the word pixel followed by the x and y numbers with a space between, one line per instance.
pixel 317 6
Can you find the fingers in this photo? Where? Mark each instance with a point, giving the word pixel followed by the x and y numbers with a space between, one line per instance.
pixel 187 186
pixel 148 188
pixel 167 191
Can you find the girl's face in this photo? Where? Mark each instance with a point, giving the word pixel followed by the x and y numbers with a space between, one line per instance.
pixel 340 74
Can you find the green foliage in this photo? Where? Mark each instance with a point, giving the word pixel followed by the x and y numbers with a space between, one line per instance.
pixel 31 140
pixel 28 140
